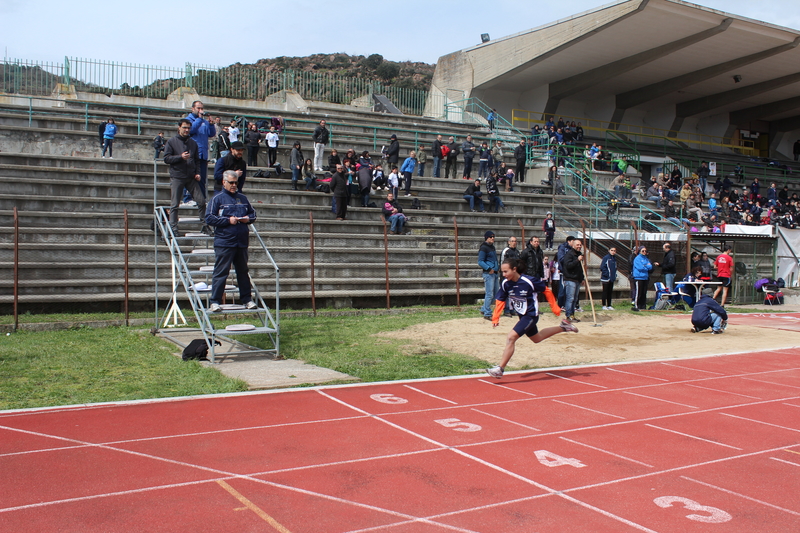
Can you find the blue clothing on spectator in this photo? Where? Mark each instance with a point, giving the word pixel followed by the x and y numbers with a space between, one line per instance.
pixel 408 165
pixel 642 267
pixel 201 130
pixel 608 268
pixel 110 131
pixel 223 206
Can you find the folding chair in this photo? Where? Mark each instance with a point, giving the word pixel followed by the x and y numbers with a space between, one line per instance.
pixel 665 298
pixel 770 293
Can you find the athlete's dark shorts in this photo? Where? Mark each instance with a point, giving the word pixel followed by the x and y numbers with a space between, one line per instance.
pixel 726 282
pixel 527 326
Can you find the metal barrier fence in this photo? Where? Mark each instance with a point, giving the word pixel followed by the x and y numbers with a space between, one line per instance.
pixel 235 81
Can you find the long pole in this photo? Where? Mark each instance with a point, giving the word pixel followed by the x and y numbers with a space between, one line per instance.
pixel 458 270
pixel 16 269
pixel 127 260
pixel 585 277
pixel 313 291
pixel 386 263
pixel 522 228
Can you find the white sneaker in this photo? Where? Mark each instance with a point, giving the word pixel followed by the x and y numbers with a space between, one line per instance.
pixel 605 308
pixel 215 308
pixel 495 372
pixel 568 327
pixel 251 305
pixel 609 308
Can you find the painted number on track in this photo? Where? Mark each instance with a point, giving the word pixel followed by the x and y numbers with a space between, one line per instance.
pixel 457 425
pixel 552 460
pixel 388 398
pixel 714 516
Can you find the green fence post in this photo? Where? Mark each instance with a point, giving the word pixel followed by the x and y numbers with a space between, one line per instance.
pixel 86 117
pixel 66 79
pixel 138 121
pixel 188 75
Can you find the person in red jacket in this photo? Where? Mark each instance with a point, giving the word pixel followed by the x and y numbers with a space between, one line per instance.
pixel 723 265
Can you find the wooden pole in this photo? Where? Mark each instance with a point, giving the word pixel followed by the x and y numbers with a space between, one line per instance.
pixel 16 269
pixel 313 291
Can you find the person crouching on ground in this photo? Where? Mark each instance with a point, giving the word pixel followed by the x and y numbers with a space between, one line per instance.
pixel 707 313
pixel 521 292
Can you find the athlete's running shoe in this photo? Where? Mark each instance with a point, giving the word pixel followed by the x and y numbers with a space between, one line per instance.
pixel 568 327
pixel 495 372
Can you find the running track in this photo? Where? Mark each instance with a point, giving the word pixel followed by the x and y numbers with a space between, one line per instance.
pixel 693 445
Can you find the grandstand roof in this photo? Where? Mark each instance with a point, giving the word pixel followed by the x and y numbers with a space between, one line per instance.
pixel 665 57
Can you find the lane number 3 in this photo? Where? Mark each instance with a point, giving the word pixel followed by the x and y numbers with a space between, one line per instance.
pixel 714 516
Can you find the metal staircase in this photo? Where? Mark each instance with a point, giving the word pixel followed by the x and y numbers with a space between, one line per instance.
pixel 192 259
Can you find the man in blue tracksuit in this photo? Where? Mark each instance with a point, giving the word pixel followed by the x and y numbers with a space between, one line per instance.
pixel 707 313
pixel 487 260
pixel 641 275
pixel 230 213
pixel 200 132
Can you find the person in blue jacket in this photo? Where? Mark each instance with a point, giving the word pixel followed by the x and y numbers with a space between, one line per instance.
pixel 707 313
pixel 200 132
pixel 109 133
pixel 608 275
pixel 487 260
pixel 407 170
pixel 230 213
pixel 641 275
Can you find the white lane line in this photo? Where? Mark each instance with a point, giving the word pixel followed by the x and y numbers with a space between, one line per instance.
pixel 784 461
pixel 592 410
pixel 694 369
pixel 431 395
pixel 575 380
pixel 759 422
pixel 505 420
pixel 771 383
pixel 741 496
pixel 606 513
pixel 724 391
pixel 791 405
pixel 633 374
pixel 43 450
pixel 507 387
pixel 345 462
pixel 693 437
pixel 659 399
pixel 606 452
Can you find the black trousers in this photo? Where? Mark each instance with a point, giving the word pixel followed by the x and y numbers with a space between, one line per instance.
pixel 520 170
pixel 641 293
pixel 608 288
pixel 341 206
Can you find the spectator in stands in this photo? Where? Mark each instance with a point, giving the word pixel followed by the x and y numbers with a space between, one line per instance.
pixel 233 131
pixel 783 195
pixel 158 144
pixel 468 149
pixel 491 118
pixel 702 174
pixel 484 157
pixel 707 313
pixel 772 194
pixel 451 161
pixel 393 150
pixel 473 194
pixel 334 159
pixel 214 150
pixel 278 123
pixel 436 154
pixel 654 194
pixel 620 190
pixel 252 139
pixel 309 175
pixel 723 264
pixel 579 132
pixel 230 213
pixel 521 157
pixel 796 149
pixel 511 252
pixel 558 186
pixel 320 137
pixel 296 163
pixel 755 187
pixel 394 181
pixel 180 154
pixel 549 229
pixel 108 138
pixel 393 214
pixel 494 192
pixel 101 131
pixel 533 257
pixel 669 266
pixel 201 131
pixel 573 276
pixel 365 178
pixel 378 178
pixel 671 214
pixel 691 208
pixel 408 170
pixel 686 191
pixel 705 266
pixel 349 156
pixel 608 276
pixel 339 190
pixel 224 142
pixel 233 161
pixel 641 275
pixel 422 158
pixel 487 260
pixel 497 156
pixel 272 139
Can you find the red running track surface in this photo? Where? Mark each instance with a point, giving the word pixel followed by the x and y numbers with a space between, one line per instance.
pixel 695 445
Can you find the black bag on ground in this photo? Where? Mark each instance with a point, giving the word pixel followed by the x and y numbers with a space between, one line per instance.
pixel 416 204
pixel 278 169
pixel 197 349
pixel 324 187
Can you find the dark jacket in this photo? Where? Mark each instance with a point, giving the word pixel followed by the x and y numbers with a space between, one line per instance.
pixel 252 138
pixel 224 141
pixel 701 312
pixel 387 208
pixel 321 135
pixel 393 152
pixel 228 163
pixel 521 153
pixel 668 264
pixel 472 189
pixel 436 148
pixel 338 185
pixel 179 168
pixel 534 260
pixel 487 257
pixel 223 206
pixel 468 148
pixel 159 142
pixel 573 270
pixel 608 268
pixel 454 150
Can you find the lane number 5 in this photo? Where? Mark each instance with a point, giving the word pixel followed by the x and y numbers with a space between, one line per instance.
pixel 457 425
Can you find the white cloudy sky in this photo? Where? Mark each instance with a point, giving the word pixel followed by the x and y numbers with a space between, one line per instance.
pixel 215 32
